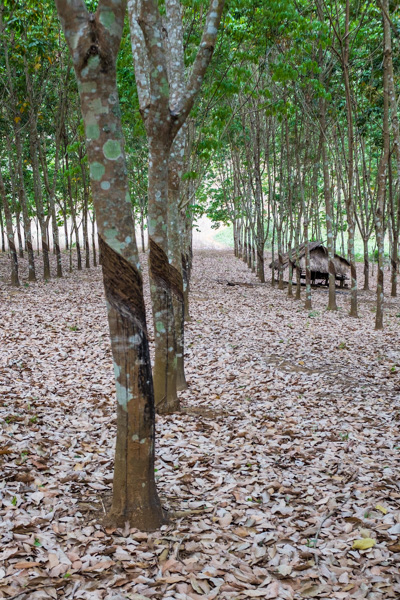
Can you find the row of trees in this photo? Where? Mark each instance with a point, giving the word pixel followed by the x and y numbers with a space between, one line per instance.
pixel 312 147
pixel 294 136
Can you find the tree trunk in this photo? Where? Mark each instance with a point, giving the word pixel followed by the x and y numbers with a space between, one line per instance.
pixel 73 212
pixel 85 215
pixel 175 168
pixel 3 244
pixel 161 273
pixel 366 265
pixel 94 41
pixel 280 257
pixel 328 207
pixel 382 174
pixel 10 234
pixel 19 236
pixel 308 303
pixel 94 240
pixel 350 169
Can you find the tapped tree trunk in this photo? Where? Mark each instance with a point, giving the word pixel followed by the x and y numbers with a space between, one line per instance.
pixel 186 263
pixel 280 257
pixel 245 249
pixel 85 215
pixel 395 265
pixel 175 235
pixel 328 209
pixel 162 276
pixel 10 234
pixel 382 174
pixel 350 170
pixel 3 242
pixel 19 236
pixel 51 191
pixel 165 103
pixel 366 265
pixel 290 275
pixel 142 231
pixel 394 211
pixel 308 302
pixel 94 254
pixel 273 257
pixel 94 41
pixel 74 227
pixel 250 249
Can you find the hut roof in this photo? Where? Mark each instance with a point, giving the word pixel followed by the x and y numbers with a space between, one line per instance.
pixel 318 254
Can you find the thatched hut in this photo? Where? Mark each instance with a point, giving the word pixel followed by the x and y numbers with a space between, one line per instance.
pixel 318 262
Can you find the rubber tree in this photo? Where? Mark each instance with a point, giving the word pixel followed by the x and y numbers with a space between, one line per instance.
pixel 165 107
pixel 10 233
pixel 323 78
pixel 94 41
pixel 382 174
pixel 394 210
pixel 344 56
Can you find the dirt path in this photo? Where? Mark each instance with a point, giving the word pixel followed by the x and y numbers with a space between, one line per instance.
pixel 288 450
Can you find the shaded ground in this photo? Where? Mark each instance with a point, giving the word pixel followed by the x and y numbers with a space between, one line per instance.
pixel 287 453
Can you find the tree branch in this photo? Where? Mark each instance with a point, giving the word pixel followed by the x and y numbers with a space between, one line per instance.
pixel 203 59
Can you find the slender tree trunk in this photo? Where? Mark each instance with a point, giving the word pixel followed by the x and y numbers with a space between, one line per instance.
pixel 161 273
pixel 73 213
pixel 142 231
pixel 94 254
pixel 248 245
pixel 366 265
pixel 350 168
pixel 85 215
pixel 3 245
pixel 280 257
pixel 297 256
pixel 51 192
pixel 19 236
pixel 34 153
pixel 328 209
pixel 308 302
pixel 394 210
pixel 175 168
pixel 10 234
pixel 186 263
pixel 273 256
pixel 382 175
pixel 245 243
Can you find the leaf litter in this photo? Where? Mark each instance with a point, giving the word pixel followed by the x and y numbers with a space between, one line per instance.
pixel 281 474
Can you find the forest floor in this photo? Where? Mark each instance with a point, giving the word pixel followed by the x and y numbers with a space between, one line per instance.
pixel 286 457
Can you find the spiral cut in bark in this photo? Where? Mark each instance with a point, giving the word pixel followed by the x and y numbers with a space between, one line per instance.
pixel 123 284
pixel 163 271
